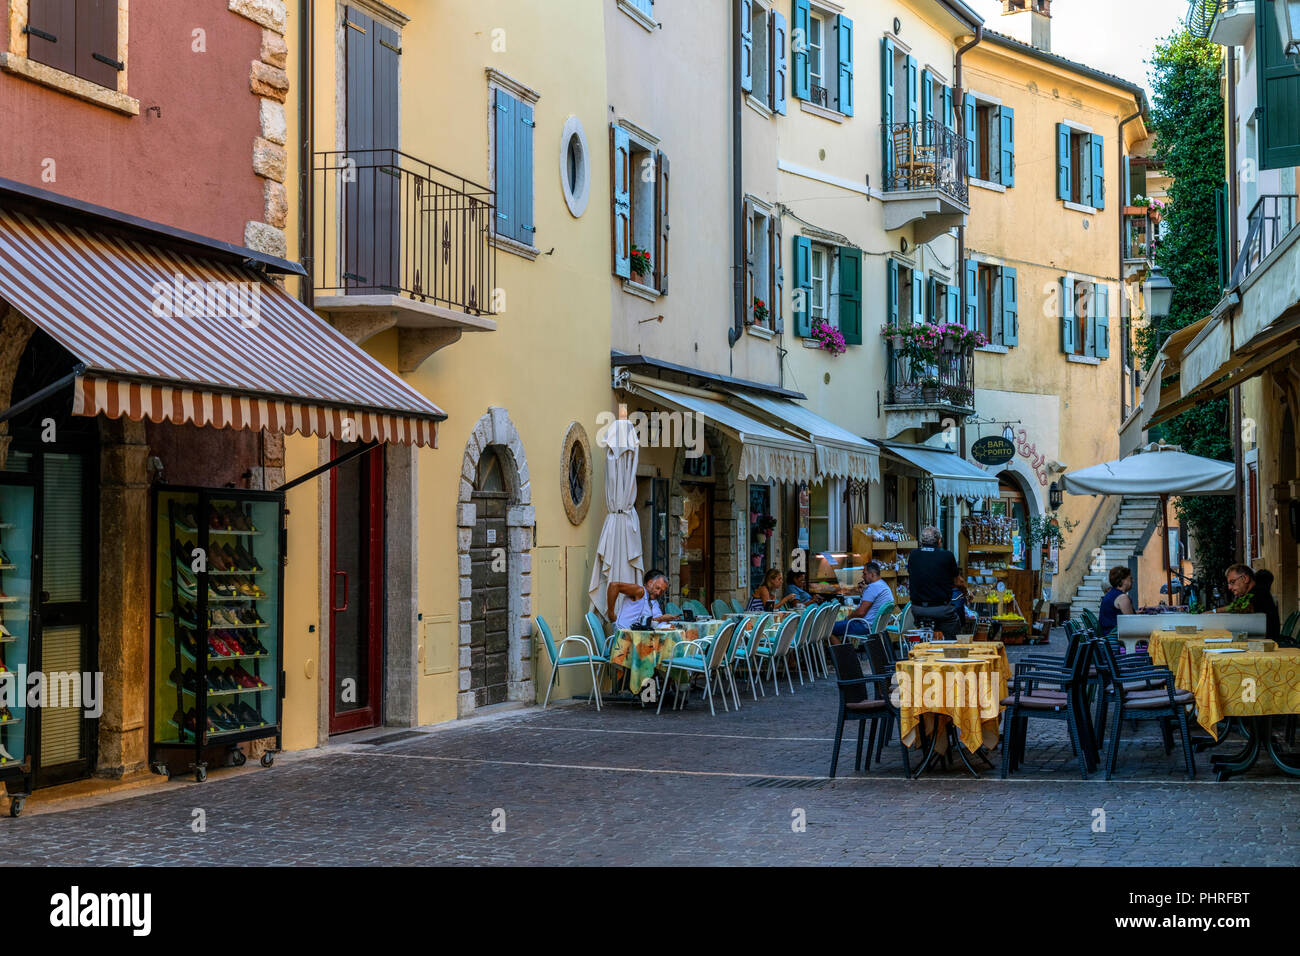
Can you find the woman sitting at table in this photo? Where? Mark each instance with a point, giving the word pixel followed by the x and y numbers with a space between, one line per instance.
pixel 766 593
pixel 797 585
pixel 1116 601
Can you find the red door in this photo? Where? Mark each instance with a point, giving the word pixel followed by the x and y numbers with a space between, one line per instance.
pixel 356 588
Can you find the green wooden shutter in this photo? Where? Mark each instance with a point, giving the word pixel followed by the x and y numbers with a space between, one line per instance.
pixel 1067 315
pixel 1126 181
pixel 932 299
pixel 918 298
pixel 507 130
pixel 1098 169
pixel 1221 214
pixel 1063 190
pixel 927 107
pixel 746 47
pixel 1278 93
pixel 1007 117
pixel 621 175
pixel 1010 308
pixel 844 46
pixel 780 61
pixel 887 106
pixel 524 173
pixel 802 285
pixel 1101 320
pixel 851 295
pixel 968 128
pixel 802 17
pixel 954 303
pixel 891 292
pixel 970 277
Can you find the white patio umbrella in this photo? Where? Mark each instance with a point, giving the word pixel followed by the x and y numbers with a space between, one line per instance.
pixel 618 553
pixel 1156 469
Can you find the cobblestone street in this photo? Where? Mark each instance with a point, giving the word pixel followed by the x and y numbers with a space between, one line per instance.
pixel 625 787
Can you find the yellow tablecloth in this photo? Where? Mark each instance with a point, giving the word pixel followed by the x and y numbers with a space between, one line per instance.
pixel 991 649
pixel 1251 684
pixel 1166 647
pixel 970 695
pixel 1188 670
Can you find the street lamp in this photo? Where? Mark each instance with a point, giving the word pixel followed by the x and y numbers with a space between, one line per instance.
pixel 1054 496
pixel 1160 296
pixel 1288 24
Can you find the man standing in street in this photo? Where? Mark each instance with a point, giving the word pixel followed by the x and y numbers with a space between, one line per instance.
pixel 932 573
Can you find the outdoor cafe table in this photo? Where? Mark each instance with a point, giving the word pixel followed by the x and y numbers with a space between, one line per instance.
pixel 933 694
pixel 1165 648
pixel 641 652
pixel 1188 669
pixel 1254 686
pixel 991 649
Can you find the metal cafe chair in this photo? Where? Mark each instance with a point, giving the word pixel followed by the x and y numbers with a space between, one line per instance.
pixel 588 660
pixel 856 703
pixel 1053 692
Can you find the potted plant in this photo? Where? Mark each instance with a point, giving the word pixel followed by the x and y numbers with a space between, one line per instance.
pixel 929 390
pixel 760 310
pixel 895 336
pixel 1046 530
pixel 830 338
pixel 640 261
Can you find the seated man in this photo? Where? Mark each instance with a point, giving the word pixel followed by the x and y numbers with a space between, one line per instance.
pixel 1250 598
pixel 866 616
pixel 642 603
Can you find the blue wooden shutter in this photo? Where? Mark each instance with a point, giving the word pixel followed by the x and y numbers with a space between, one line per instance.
pixel 1010 308
pixel 524 173
pixel 887 106
pixel 1277 79
pixel 507 128
pixel 927 107
pixel 1101 320
pixel 918 298
pixel 802 285
pixel 851 295
pixel 1067 315
pixel 1098 146
pixel 780 61
pixel 891 292
pixel 968 128
pixel 620 151
pixel 970 277
pixel 954 304
pixel 1063 190
pixel 1008 150
pixel 911 92
pixel 844 46
pixel 799 48
pixel 1126 181
pixel 949 117
pixel 746 47
pixel 932 299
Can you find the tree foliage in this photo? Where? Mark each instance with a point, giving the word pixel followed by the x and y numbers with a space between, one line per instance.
pixel 1187 119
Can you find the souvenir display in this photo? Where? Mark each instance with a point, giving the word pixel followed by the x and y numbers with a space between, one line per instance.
pixel 16 653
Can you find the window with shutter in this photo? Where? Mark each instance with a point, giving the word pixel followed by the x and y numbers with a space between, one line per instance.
pixel 809 285
pixel 932 303
pixel 776 252
pixel 927 107
pixel 1064 162
pixel 780 47
pixel 1007 146
pixel 800 49
pixel 953 294
pixel 621 189
pixel 1010 308
pixel 891 292
pixel 844 49
pixel 918 298
pixel 887 104
pixel 1069 343
pixel 970 135
pixel 970 278
pixel 1097 171
pixel 504 163
pixel 949 116
pixel 52 33
pixel 850 281
pixel 761 33
pixel 1277 78
pixel 912 82
pixel 661 223
pixel 1101 320
pixel 523 173
pixel 76 36
pixel 1221 233
pixel 746 46
pixel 97 42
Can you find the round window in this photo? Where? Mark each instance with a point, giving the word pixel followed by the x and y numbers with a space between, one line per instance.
pixel 575 484
pixel 575 171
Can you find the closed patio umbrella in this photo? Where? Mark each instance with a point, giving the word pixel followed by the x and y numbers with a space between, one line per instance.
pixel 618 553
pixel 1156 469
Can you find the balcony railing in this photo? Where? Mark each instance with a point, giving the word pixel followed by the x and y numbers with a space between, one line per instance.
pixel 925 155
pixel 949 380
pixel 1268 223
pixel 390 224
pixel 818 95
pixel 1139 236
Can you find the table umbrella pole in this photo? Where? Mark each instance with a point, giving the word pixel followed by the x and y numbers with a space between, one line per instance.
pixel 1169 577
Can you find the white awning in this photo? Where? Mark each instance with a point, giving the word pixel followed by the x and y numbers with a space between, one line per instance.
pixel 840 453
pixel 954 477
pixel 1207 357
pixel 766 454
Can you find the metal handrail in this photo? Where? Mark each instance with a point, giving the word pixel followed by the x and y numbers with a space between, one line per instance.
pixel 925 155
pixel 1271 219
pixel 954 371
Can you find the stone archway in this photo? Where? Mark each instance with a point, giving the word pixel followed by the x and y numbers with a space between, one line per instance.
pixel 495 430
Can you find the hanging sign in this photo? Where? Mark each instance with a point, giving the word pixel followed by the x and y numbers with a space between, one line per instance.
pixel 993 450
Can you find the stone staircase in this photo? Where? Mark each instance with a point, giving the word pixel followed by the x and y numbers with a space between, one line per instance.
pixel 1121 541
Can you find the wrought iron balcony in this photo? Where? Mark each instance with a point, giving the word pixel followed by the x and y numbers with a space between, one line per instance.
pixel 925 178
pixel 390 225
pixel 818 95
pixel 1139 237
pixel 1267 225
pixel 947 382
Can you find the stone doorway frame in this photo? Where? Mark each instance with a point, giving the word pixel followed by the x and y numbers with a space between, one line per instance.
pixel 496 430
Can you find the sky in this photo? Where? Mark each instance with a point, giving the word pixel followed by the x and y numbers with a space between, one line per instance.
pixel 1111 35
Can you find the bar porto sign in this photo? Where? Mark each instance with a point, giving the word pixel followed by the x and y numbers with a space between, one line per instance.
pixel 993 450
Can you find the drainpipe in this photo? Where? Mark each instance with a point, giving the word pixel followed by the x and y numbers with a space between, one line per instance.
pixel 737 190
pixel 959 114
pixel 1124 320
pixel 1238 529
pixel 306 141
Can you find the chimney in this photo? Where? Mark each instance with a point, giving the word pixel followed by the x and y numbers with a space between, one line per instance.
pixel 1032 22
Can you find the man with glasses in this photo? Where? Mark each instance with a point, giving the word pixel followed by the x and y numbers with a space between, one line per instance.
pixel 1249 598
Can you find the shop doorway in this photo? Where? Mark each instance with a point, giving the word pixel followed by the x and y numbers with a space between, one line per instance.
pixel 356 590
pixel 489 623
pixel 1012 503
pixel 697 543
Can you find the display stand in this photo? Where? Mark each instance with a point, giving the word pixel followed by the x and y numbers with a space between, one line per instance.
pixel 217 646
pixel 17 634
pixel 890 548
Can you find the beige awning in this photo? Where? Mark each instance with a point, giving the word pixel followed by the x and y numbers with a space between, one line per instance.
pixel 840 453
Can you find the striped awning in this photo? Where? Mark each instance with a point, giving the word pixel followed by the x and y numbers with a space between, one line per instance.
pixel 165 335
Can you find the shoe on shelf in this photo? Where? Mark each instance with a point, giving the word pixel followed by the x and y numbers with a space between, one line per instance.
pixel 218 647
pixel 5 715
pixel 5 756
pixel 249 715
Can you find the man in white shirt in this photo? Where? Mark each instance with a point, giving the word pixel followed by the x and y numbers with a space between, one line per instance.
pixel 642 603
pixel 875 595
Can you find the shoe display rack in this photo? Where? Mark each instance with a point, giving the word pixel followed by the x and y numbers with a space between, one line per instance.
pixel 17 521
pixel 217 644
